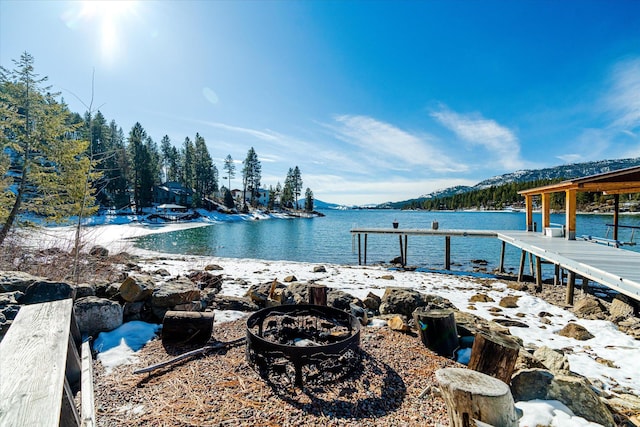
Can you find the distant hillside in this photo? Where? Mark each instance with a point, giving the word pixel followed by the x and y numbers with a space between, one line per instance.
pixel 554 173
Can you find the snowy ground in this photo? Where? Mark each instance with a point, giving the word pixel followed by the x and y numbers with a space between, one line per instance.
pixel 609 343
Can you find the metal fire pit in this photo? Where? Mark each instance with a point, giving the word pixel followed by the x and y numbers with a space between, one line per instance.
pixel 311 343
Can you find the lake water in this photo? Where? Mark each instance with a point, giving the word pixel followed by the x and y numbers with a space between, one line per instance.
pixel 328 240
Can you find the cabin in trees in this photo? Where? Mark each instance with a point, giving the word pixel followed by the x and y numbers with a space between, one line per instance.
pixel 173 193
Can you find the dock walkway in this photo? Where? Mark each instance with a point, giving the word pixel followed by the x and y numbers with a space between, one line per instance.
pixel 618 269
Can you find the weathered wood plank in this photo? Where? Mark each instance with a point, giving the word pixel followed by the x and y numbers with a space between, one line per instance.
pixel 87 403
pixel 33 356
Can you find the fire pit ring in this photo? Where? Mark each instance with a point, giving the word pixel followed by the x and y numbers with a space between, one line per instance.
pixel 311 342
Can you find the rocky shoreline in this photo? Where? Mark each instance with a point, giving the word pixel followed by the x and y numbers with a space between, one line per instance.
pixel 396 366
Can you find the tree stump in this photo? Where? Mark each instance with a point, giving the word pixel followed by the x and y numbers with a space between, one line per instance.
pixel 437 330
pixel 473 396
pixel 187 327
pixel 318 294
pixel 494 354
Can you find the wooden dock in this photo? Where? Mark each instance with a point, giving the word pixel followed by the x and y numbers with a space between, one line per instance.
pixel 616 268
pixel 404 233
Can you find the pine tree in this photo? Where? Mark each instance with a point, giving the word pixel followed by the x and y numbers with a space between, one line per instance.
pixel 230 169
pixel 296 184
pixel 308 200
pixel 47 150
pixel 187 163
pixel 251 175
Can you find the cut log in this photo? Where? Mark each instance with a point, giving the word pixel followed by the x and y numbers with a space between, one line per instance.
pixel 318 294
pixel 182 327
pixel 494 354
pixel 136 288
pixel 473 396
pixel 437 330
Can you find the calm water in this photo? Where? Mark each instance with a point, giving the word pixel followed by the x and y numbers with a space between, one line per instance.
pixel 327 239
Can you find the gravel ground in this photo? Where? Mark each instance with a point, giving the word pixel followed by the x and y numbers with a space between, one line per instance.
pixel 394 386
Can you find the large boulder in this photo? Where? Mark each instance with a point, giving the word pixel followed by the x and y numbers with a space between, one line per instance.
pixel 575 331
pixel 621 308
pixel 553 360
pixel 577 394
pixel 339 299
pixel 16 281
pixel 95 315
pixel 590 308
pixel 406 300
pixel 204 279
pixel 85 290
pixel 529 384
pixel 174 292
pixel 137 288
pixel 226 302
pixel 46 291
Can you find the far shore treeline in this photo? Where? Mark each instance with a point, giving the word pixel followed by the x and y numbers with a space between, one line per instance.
pixel 58 164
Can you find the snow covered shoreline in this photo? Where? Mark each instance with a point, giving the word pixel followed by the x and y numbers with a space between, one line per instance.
pixel 617 376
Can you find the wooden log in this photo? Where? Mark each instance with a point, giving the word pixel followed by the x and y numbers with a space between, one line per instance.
pixel 472 396
pixel 494 354
pixel 136 288
pixel 318 294
pixel 181 327
pixel 437 330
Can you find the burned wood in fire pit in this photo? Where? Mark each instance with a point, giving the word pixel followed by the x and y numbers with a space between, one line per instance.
pixel 303 343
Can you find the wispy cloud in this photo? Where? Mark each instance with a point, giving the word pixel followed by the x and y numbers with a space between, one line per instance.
pixel 475 129
pixel 265 135
pixel 390 144
pixel 623 99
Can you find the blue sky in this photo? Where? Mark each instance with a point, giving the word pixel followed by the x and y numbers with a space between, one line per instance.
pixel 374 100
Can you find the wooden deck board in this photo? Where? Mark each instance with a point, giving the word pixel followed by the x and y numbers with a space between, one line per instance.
pixel 33 365
pixel 613 267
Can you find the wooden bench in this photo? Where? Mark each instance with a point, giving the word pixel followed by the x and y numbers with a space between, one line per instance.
pixel 41 370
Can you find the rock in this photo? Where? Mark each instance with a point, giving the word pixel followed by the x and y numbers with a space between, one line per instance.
pixel 319 269
pixel 387 277
pixel 481 298
pixel 204 279
pixel 85 290
pixel 372 302
pixel 208 296
pixel 339 299
pixel 162 272
pixel 590 308
pixel 401 301
pixel 95 315
pixel 133 311
pixel 578 395
pixel 573 330
pixel 526 360
pixel 136 288
pixel 529 384
pixel 621 308
pixel 17 281
pixel 396 260
pixel 8 298
pixel 359 313
pixel 45 291
pixel 510 323
pixel 226 302
pixel 290 279
pixel 553 360
pixel 191 306
pixel 213 267
pixel 174 292
pixel 518 286
pixel 300 292
pixel 399 323
pixel 99 251
pixel 10 311
pixel 509 302
pixel 479 261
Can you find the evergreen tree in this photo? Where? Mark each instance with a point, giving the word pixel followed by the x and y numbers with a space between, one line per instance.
pixel 116 169
pixel 46 149
pixel 251 175
pixel 229 168
pixel 170 159
pixel 141 167
pixel 205 179
pixel 228 199
pixel 187 163
pixel 287 197
pixel 296 184
pixel 308 200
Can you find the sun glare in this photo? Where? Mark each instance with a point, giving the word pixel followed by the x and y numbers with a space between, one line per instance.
pixel 107 17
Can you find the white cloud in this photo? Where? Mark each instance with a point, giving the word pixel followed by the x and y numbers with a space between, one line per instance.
pixel 385 144
pixel 263 135
pixel 498 140
pixel 623 99
pixel 571 158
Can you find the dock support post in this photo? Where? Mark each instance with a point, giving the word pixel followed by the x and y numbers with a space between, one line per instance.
pixel 401 251
pixel 447 253
pixel 523 257
pixel 556 275
pixel 538 274
pixel 502 251
pixel 359 251
pixel 405 250
pixel 365 248
pixel 585 285
pixel 571 281
pixel 531 263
